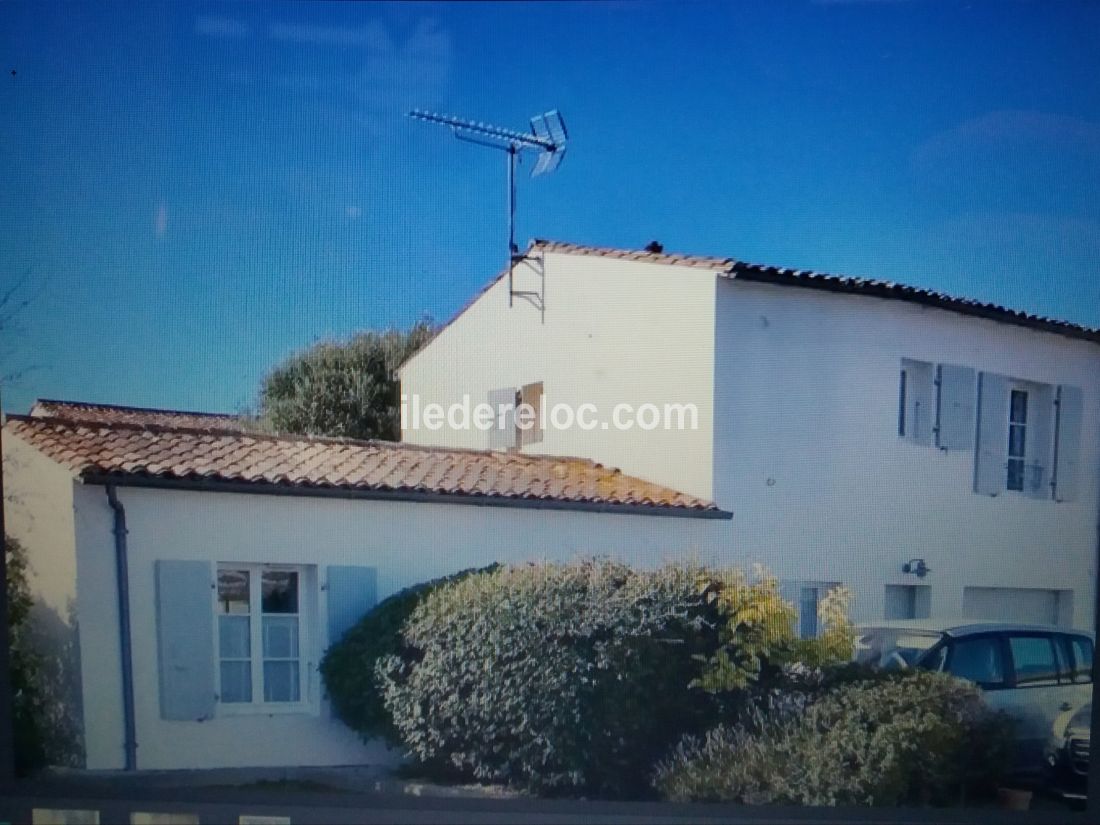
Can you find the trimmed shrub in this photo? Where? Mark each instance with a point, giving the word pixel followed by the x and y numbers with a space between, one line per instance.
pixel 912 738
pixel 348 666
pixel 557 677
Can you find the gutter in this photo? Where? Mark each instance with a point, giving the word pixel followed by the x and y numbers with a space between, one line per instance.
pixel 122 575
pixel 270 489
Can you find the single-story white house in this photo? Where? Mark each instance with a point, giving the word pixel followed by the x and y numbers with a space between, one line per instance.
pixel 200 570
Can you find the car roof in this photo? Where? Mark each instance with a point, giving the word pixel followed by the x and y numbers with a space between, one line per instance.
pixel 965 627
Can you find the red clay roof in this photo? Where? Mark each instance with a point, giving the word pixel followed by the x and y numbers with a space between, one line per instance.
pixel 116 414
pixel 133 453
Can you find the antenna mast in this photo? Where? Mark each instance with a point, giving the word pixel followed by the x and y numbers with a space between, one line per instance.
pixel 547 137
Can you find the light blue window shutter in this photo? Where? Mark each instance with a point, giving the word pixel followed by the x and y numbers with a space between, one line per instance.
pixel 503 434
pixel 956 396
pixel 990 457
pixel 185 639
pixel 1068 443
pixel 352 592
pixel 1040 446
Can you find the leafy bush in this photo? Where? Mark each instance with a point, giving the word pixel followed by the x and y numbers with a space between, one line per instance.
pixel 27 708
pixel 913 737
pixel 554 676
pixel 348 666
pixel 757 637
pixel 46 727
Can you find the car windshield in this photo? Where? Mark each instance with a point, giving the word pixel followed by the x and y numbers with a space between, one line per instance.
pixel 893 648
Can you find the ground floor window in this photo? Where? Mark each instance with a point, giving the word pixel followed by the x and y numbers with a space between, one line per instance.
pixel 260 634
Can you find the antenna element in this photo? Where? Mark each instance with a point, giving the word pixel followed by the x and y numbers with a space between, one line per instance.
pixel 547 137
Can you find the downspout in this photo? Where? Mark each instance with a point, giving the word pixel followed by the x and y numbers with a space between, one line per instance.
pixel 122 575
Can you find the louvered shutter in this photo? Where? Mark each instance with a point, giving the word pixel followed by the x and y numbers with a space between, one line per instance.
pixel 955 413
pixel 1067 443
pixel 185 639
pixel 352 592
pixel 502 436
pixel 990 457
pixel 1040 451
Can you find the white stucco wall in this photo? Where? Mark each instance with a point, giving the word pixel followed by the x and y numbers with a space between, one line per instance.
pixel 613 332
pixel 38 511
pixel 807 451
pixel 798 425
pixel 406 542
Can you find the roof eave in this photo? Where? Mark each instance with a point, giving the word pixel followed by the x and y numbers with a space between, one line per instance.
pixel 214 485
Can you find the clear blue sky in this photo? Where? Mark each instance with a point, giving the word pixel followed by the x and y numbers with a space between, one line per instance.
pixel 196 191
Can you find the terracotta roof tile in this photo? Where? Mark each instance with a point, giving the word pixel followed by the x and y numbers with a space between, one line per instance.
pixel 99 450
pixel 116 414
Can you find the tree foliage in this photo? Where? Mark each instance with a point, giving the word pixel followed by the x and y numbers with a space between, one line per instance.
pixel 26 666
pixel 342 388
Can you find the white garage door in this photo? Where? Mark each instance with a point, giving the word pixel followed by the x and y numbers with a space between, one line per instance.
pixel 1016 604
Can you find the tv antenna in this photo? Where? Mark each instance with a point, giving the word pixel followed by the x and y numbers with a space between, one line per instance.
pixel 547 138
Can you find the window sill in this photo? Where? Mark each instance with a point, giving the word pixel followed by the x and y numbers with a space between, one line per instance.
pixel 272 709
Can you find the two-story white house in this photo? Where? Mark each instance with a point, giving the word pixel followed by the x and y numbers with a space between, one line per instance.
pixel 939 456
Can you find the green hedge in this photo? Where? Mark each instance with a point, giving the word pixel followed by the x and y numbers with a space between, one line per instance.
pixel 348 666
pixel 556 677
pixel 913 738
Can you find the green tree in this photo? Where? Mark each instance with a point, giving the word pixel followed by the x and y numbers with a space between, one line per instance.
pixel 27 702
pixel 347 388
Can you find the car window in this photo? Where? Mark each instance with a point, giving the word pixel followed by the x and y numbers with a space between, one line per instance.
pixel 933 660
pixel 1033 660
pixel 978 660
pixel 1081 649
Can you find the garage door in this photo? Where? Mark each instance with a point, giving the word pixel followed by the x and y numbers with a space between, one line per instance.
pixel 1017 604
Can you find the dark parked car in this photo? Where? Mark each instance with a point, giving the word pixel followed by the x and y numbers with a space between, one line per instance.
pixel 1067 754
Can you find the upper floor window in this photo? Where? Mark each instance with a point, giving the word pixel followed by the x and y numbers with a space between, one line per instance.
pixel 1017 440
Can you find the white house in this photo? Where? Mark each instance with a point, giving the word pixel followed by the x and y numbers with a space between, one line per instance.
pixel 937 455
pixel 195 572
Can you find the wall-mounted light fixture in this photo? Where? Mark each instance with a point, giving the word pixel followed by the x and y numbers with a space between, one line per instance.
pixel 917 567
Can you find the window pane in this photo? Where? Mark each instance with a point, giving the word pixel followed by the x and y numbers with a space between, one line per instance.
pixel 1018 412
pixel 280 681
pixel 236 681
pixel 1016 435
pixel 233 591
pixel 281 637
pixel 1015 479
pixel 1033 657
pixel 233 637
pixel 280 591
pixel 978 660
pixel 1082 657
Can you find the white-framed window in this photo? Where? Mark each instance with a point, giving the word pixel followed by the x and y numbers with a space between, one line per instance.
pixel 261 636
pixel 1017 467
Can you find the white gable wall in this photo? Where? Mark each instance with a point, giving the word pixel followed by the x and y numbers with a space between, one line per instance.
pixel 614 332
pixel 807 452
pixel 406 542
